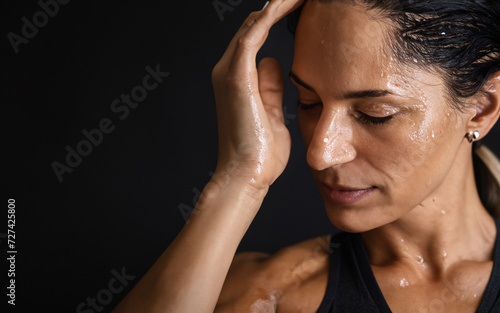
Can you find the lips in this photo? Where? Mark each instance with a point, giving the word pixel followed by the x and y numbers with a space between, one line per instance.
pixel 343 195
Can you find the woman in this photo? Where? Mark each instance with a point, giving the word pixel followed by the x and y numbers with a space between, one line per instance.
pixel 393 97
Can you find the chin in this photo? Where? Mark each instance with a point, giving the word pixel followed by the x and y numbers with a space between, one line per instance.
pixel 355 219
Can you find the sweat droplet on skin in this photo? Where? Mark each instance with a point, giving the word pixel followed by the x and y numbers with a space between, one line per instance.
pixel 403 244
pixel 403 282
pixel 325 140
pixel 420 261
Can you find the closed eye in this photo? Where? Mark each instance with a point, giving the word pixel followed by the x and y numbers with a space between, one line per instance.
pixel 367 119
pixel 364 118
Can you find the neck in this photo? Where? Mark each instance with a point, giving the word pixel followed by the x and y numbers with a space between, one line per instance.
pixel 450 226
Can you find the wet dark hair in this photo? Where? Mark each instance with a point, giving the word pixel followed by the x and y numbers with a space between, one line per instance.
pixel 459 38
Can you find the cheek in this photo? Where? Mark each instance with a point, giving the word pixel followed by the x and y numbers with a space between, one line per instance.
pixel 420 151
pixel 417 145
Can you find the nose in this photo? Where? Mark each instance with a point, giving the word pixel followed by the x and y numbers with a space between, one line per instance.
pixel 331 142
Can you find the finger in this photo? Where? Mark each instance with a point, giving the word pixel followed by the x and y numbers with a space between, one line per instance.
pixel 243 28
pixel 275 11
pixel 252 17
pixel 242 65
pixel 271 87
pixel 253 33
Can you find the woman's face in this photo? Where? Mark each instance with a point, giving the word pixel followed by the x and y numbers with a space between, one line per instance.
pixel 381 137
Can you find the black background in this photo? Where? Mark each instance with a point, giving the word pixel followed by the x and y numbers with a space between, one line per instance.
pixel 120 207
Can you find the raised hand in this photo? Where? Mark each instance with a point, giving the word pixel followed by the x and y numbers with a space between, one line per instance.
pixel 254 146
pixel 254 143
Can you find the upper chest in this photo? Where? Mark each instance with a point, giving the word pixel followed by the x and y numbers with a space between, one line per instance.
pixel 461 290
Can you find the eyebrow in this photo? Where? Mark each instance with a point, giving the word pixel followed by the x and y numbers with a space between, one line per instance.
pixel 372 93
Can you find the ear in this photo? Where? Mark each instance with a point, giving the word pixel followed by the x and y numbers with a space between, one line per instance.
pixel 487 105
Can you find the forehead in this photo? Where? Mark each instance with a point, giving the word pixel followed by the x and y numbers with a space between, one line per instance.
pixel 343 45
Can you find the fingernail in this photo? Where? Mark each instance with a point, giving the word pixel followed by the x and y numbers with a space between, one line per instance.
pixel 265 5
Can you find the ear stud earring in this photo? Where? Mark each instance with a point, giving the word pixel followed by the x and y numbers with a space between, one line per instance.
pixel 472 136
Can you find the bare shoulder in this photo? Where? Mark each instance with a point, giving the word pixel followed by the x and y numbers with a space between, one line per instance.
pixel 293 279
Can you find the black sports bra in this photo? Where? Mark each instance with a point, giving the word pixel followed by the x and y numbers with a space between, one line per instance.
pixel 352 287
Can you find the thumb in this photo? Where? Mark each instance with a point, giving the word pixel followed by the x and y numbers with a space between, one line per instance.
pixel 271 87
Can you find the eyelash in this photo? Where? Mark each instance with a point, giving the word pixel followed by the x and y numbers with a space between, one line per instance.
pixel 364 118
pixel 367 119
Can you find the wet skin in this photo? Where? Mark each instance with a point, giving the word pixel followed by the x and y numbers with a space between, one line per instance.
pixel 403 145
pixel 388 153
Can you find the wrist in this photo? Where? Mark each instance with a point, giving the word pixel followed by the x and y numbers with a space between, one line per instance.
pixel 247 175
pixel 224 184
pixel 230 200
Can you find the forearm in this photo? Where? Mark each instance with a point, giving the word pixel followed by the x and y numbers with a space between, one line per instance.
pixel 189 275
pixel 253 138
